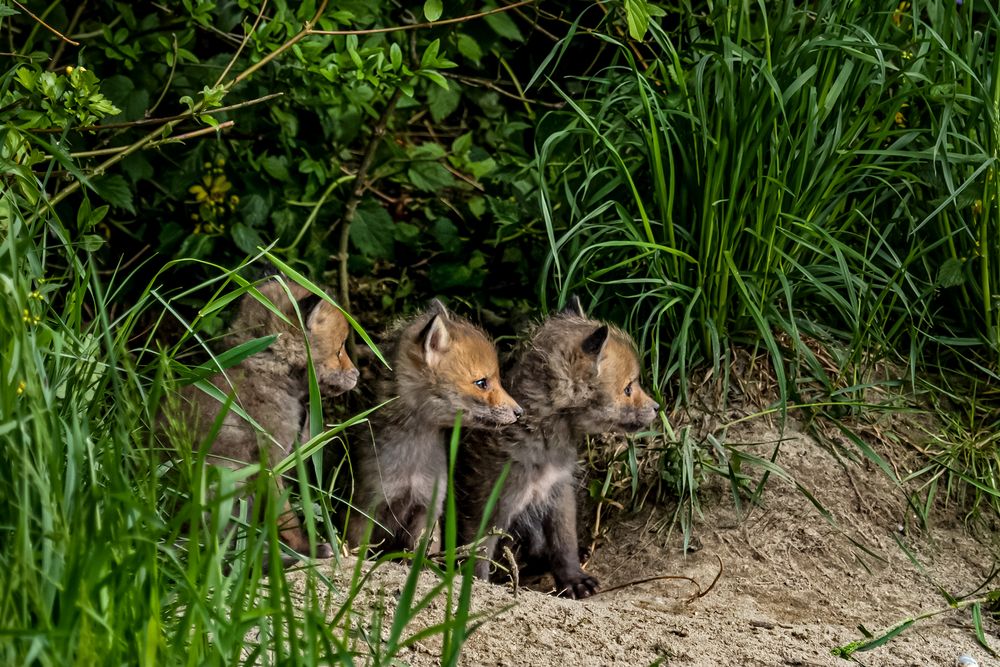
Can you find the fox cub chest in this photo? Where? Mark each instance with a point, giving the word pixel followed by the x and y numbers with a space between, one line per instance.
pixel 537 483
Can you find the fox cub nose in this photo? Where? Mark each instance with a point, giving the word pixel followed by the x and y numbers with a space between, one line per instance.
pixel 518 411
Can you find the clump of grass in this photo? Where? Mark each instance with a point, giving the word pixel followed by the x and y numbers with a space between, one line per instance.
pixel 814 183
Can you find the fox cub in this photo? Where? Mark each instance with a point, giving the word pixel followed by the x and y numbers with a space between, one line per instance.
pixel 272 386
pixel 442 365
pixel 574 376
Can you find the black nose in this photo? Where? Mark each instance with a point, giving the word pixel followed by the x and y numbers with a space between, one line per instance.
pixel 518 411
pixel 656 406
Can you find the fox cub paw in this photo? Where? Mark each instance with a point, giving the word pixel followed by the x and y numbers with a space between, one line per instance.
pixel 576 586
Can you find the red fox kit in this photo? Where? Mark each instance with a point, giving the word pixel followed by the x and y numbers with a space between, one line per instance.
pixel 441 365
pixel 271 387
pixel 575 376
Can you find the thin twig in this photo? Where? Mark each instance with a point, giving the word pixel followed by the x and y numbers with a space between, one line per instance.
pixel 666 577
pixel 305 32
pixel 69 30
pixel 153 144
pixel 46 25
pixel 170 78
pixel 428 24
pixel 492 85
pixel 361 183
pixel 246 38
pixel 165 119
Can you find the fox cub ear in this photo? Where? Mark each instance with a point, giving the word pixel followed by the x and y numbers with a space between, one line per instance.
pixel 595 342
pixel 436 340
pixel 435 306
pixel 258 318
pixel 573 307
pixel 328 330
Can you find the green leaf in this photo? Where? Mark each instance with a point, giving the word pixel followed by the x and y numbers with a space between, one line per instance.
pixel 395 56
pixel 432 9
pixel 503 25
pixel 407 233
pixel 435 77
pixel 442 102
pixel 429 59
pixel 8 11
pixel 114 190
pixel 637 14
pixel 950 274
pixel 137 167
pixel 429 176
pixel 373 232
pixel 254 209
pixel 276 166
pixel 469 48
pixel 246 238
pixel 445 232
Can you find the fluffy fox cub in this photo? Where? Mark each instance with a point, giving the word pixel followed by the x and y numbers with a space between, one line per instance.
pixel 442 365
pixel 574 376
pixel 272 385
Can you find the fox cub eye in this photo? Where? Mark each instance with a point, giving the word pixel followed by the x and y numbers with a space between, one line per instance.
pixel 628 389
pixel 482 383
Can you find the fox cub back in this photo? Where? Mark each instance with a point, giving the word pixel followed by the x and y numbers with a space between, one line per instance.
pixel 442 365
pixel 272 385
pixel 574 376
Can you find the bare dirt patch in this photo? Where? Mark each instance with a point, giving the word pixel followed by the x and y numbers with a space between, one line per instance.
pixel 794 585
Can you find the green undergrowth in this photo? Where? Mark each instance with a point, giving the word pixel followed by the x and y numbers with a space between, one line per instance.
pixel 121 545
pixel 816 185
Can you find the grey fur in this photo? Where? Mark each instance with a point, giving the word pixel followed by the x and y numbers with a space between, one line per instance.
pixel 570 377
pixel 271 387
pixel 400 477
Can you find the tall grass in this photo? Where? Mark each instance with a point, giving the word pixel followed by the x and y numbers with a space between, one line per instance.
pixel 788 177
pixel 117 544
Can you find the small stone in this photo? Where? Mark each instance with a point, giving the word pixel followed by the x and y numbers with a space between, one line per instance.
pixel 966 661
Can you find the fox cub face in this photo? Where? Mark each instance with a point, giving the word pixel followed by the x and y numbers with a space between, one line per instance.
pixel 445 365
pixel 586 370
pixel 326 332
pixel 611 369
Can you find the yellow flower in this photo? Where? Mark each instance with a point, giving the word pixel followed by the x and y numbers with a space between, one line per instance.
pixel 901 9
pixel 69 69
pixel 900 117
pixel 21 386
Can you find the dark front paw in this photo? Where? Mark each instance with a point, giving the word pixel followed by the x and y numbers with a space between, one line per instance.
pixel 576 586
pixel 324 550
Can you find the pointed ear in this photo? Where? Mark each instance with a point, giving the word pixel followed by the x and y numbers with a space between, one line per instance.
pixel 327 329
pixel 436 307
pixel 256 318
pixel 595 342
pixel 573 307
pixel 436 340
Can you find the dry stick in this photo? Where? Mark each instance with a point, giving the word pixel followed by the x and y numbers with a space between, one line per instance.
pixel 429 24
pixel 664 577
pixel 153 121
pixel 361 184
pixel 46 25
pixel 153 144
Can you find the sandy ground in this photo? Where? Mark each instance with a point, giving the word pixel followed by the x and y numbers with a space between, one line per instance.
pixel 794 584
